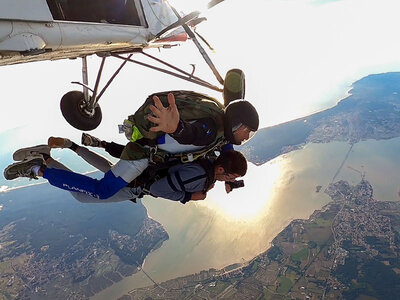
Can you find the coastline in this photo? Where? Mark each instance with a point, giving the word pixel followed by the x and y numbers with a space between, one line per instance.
pixel 309 256
pixel 330 155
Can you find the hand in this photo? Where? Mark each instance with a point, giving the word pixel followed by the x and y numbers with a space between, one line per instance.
pixel 211 187
pixel 166 118
pixel 228 188
pixel 196 196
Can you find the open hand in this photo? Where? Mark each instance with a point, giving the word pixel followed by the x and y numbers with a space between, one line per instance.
pixel 165 118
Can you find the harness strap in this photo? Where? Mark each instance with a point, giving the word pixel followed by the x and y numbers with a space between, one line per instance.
pixel 192 156
pixel 171 184
pixel 208 167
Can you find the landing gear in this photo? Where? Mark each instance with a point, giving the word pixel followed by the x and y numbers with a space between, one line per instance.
pixel 78 108
pixel 83 112
pixel 75 110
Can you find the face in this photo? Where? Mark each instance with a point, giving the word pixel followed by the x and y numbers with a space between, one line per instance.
pixel 242 134
pixel 222 176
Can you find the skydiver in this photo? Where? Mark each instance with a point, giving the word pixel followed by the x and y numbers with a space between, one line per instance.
pixel 181 182
pixel 115 150
pixel 240 121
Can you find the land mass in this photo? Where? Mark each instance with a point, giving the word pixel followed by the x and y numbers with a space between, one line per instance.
pixel 371 111
pixel 56 249
pixel 53 247
pixel 349 248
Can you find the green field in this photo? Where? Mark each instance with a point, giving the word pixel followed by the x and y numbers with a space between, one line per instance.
pixel 324 222
pixel 285 285
pixel 254 267
pixel 319 235
pixel 301 255
pixel 292 275
pixel 3 267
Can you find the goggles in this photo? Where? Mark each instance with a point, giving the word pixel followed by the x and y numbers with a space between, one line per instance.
pixel 244 129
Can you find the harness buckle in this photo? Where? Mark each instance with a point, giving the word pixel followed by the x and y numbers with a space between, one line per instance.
pixel 145 191
pixel 152 153
pixel 187 157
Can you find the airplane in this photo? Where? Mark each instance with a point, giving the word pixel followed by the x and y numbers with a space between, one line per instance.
pixel 38 30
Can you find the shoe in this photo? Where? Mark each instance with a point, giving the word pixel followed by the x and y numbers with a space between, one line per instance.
pixel 23 168
pixel 58 142
pixel 89 140
pixel 23 153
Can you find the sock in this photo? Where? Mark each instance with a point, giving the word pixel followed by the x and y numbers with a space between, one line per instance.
pixel 35 170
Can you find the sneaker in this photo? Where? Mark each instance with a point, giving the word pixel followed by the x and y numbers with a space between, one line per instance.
pixel 89 140
pixel 58 142
pixel 23 153
pixel 23 168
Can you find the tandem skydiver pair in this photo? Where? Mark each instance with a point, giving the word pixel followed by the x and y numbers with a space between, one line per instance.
pixel 179 128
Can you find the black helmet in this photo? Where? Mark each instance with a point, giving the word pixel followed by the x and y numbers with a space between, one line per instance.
pixel 239 112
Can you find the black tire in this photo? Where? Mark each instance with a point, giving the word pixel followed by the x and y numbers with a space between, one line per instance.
pixel 234 86
pixel 72 108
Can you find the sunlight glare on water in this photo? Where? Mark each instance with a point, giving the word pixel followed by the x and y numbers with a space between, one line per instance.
pixel 250 202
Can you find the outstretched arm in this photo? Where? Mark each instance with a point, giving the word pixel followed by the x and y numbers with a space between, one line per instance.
pixel 166 118
pixel 200 132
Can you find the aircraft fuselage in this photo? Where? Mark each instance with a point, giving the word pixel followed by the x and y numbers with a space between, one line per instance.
pixel 58 31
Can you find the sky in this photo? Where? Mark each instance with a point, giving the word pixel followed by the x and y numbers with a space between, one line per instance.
pixel 299 57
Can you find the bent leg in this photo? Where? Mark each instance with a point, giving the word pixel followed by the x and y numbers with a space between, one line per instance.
pixel 114 180
pixel 123 195
pixel 114 149
pixel 70 181
pixel 94 159
pixel 128 170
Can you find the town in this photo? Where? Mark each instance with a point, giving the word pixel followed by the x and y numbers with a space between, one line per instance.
pixel 309 259
pixel 76 268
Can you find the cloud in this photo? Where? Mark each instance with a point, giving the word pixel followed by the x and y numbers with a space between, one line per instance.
pixel 6 189
pixel 3 189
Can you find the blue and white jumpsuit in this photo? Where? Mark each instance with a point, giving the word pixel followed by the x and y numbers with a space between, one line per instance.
pixel 189 135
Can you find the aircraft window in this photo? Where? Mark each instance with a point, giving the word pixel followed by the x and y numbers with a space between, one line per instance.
pixel 98 11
